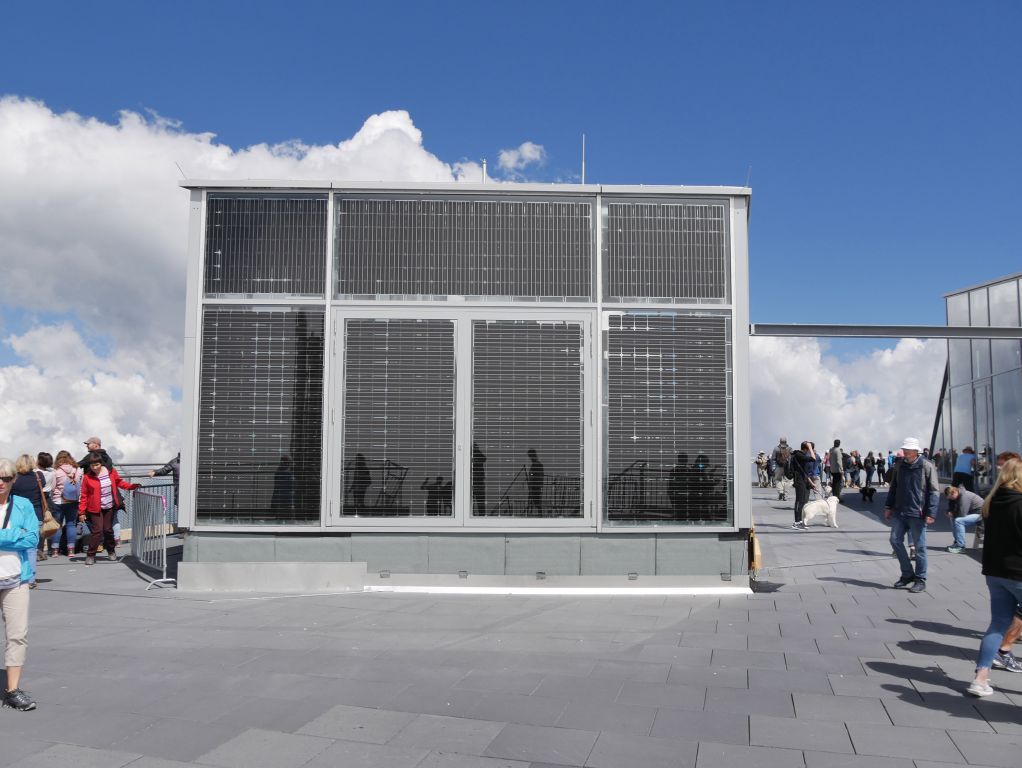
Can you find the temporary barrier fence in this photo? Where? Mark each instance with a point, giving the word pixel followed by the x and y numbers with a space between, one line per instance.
pixel 149 533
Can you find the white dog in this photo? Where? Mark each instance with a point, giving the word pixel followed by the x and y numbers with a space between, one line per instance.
pixel 825 508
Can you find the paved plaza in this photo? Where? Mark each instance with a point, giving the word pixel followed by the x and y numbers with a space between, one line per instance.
pixel 825 666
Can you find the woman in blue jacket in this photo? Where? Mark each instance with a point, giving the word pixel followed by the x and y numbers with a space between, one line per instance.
pixel 19 536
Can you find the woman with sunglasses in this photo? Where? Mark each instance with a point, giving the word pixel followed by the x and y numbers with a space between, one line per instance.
pixel 100 500
pixel 19 536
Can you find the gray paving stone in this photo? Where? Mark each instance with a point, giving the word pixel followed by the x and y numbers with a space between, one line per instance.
pixel 816 662
pixel 712 755
pixel 662 695
pixel 616 750
pixel 80 757
pixel 845 709
pixel 696 726
pixel 834 760
pixel 709 677
pixel 782 732
pixel 784 680
pixel 561 746
pixel 513 681
pixel 951 712
pixel 177 739
pixel 356 754
pixel 275 714
pixel 358 724
pixel 748 659
pixel 158 762
pixel 1002 717
pixel 676 655
pixel 579 688
pixel 632 670
pixel 713 640
pixel 603 716
pixel 755 701
pixel 864 686
pixel 15 747
pixel 265 749
pixel 982 749
pixel 512 708
pixel 784 644
pixel 448 734
pixel 456 760
pixel 911 743
pixel 429 700
pixel 80 725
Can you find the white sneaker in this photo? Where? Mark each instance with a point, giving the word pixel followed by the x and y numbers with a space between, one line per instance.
pixel 980 689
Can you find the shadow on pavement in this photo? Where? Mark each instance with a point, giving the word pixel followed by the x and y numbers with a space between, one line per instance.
pixel 940 628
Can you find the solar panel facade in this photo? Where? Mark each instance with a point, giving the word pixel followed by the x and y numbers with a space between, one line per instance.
pixel 377 360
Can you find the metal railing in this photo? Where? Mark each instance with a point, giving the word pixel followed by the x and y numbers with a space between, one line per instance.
pixel 149 527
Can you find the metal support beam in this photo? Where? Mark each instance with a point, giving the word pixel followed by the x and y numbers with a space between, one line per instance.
pixel 884 331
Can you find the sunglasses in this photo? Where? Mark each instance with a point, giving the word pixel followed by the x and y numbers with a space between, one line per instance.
pixel 7 478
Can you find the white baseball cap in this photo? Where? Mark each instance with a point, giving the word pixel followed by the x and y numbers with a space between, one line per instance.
pixel 911 444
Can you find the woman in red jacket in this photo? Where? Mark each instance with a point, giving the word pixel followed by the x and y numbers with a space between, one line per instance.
pixel 100 500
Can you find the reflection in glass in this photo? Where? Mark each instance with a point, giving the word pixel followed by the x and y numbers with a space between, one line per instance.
pixel 980 358
pixel 962 433
pixel 1004 311
pixel 668 412
pixel 1008 412
pixel 958 309
pixel 960 358
pixel 526 418
pixel 260 416
pixel 399 382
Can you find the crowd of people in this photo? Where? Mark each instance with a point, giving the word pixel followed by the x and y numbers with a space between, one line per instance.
pixel 52 507
pixel 912 503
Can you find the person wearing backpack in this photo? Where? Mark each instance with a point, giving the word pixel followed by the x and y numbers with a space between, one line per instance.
pixel 781 457
pixel 66 491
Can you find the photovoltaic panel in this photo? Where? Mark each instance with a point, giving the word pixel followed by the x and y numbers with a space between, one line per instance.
pixel 260 416
pixel 435 247
pixel 398 449
pixel 265 245
pixel 676 252
pixel 527 422
pixel 668 418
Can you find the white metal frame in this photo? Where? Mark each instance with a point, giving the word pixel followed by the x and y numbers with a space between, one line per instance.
pixel 462 317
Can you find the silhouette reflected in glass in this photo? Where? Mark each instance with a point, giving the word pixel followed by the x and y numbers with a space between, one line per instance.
pixel 283 485
pixel 535 477
pixel 361 479
pixel 478 480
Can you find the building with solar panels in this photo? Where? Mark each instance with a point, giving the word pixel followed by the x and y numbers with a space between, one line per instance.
pixel 452 381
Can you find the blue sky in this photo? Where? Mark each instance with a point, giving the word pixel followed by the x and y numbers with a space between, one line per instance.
pixel 882 137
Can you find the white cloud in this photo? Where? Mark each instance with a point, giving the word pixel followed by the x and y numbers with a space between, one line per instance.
pixel 870 402
pixel 93 219
pixel 93 226
pixel 516 160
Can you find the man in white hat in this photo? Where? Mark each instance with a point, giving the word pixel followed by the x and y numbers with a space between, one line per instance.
pixel 912 503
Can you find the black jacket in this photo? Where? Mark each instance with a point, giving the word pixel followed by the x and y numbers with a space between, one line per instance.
pixel 1002 541
pixel 172 467
pixel 83 462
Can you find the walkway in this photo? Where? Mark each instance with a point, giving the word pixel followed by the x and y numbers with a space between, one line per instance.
pixel 826 666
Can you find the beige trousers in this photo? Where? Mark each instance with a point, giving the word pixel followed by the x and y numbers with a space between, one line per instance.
pixel 14 606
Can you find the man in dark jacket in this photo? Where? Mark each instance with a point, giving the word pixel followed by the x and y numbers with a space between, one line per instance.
pixel 802 462
pixel 95 445
pixel 172 467
pixel 912 504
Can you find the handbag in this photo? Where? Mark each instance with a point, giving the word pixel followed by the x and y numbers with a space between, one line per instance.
pixel 49 526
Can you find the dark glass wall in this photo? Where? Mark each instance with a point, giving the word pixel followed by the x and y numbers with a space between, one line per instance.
pixel 434 247
pixel 265 245
pixel 260 416
pixel 668 418
pixel 676 251
pixel 398 443
pixel 527 385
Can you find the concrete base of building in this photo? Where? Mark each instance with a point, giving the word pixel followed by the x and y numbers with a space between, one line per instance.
pixel 556 585
pixel 295 577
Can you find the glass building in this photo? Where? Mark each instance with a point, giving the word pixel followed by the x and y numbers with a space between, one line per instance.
pixel 981 403
pixel 446 379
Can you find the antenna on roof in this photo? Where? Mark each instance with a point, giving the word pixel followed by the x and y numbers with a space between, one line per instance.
pixel 484 170
pixel 183 174
pixel 748 176
pixel 583 158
